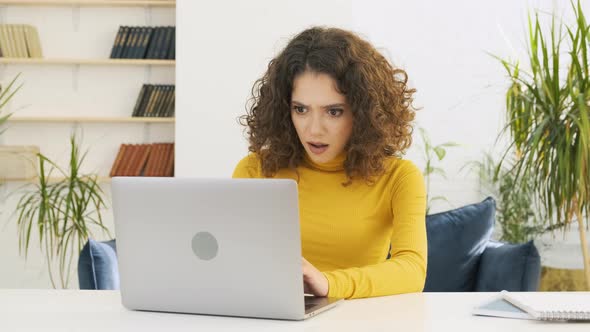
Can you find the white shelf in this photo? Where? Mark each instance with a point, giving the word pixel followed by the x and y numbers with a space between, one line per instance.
pixel 92 119
pixel 53 179
pixel 92 62
pixel 91 3
pixel 72 61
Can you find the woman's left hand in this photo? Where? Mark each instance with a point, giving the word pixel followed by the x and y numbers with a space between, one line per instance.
pixel 314 281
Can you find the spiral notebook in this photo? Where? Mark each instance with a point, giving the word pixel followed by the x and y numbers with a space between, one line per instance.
pixel 562 306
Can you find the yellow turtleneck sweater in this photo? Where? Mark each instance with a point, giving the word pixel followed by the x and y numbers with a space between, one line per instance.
pixel 346 231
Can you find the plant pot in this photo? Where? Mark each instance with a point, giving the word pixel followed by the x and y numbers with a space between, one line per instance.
pixel 562 280
pixel 562 261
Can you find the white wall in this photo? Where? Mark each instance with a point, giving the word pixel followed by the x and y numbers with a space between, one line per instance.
pixel 223 47
pixel 51 90
pixel 443 46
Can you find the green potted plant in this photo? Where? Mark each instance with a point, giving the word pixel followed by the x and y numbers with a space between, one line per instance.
pixel 17 161
pixel 518 218
pixel 549 121
pixel 433 154
pixel 63 211
pixel 5 96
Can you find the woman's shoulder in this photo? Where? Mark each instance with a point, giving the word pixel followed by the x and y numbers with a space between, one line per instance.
pixel 397 164
pixel 403 177
pixel 251 159
pixel 248 167
pixel 397 169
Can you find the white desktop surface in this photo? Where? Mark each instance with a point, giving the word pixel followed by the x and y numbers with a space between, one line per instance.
pixel 73 310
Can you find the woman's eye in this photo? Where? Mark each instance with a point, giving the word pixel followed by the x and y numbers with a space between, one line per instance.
pixel 335 111
pixel 299 109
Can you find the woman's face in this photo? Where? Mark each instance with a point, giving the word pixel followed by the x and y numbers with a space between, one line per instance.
pixel 321 116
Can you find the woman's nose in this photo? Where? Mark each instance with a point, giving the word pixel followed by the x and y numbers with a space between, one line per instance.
pixel 315 126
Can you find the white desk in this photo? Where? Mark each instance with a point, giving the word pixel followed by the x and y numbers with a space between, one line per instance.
pixel 51 310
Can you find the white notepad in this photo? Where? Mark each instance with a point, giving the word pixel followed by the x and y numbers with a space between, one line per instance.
pixel 552 305
pixel 498 307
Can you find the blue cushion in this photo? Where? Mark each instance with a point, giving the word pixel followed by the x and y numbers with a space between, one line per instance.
pixel 511 267
pixel 97 266
pixel 456 241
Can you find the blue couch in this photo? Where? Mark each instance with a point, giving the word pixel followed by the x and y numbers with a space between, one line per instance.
pixel 97 265
pixel 461 256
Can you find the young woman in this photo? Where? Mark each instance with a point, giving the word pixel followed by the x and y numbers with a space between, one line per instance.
pixel 333 114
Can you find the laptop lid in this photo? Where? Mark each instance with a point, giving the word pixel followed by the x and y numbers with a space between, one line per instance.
pixel 209 246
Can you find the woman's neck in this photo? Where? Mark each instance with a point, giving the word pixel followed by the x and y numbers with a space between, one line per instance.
pixel 334 165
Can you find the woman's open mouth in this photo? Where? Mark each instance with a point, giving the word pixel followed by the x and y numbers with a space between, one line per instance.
pixel 317 148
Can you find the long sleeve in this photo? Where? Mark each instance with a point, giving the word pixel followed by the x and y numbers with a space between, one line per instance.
pixel 248 167
pixel 405 271
pixel 346 231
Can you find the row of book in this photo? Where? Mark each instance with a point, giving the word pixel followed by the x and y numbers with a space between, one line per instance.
pixel 19 41
pixel 156 159
pixel 155 100
pixel 145 43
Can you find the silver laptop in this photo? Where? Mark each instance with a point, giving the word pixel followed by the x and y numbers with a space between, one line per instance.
pixel 211 246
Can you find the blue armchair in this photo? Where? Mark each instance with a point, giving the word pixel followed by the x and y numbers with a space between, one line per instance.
pixel 97 265
pixel 461 256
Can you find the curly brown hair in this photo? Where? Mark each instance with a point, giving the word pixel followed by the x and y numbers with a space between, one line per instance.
pixel 377 93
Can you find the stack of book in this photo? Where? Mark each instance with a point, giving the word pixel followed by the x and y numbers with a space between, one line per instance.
pixel 145 43
pixel 19 41
pixel 155 100
pixel 155 159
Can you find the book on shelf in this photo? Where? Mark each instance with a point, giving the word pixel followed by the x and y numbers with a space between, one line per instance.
pixel 126 44
pixel 120 40
pixel 156 44
pixel 155 100
pixel 140 42
pixel 132 44
pixel 19 41
pixel 156 159
pixel 144 41
pixel 150 106
pixel 172 50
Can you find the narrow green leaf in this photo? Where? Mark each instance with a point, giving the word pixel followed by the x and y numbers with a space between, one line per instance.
pixel 440 152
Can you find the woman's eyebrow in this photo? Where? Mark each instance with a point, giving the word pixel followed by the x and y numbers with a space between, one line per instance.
pixel 335 105
pixel 327 106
